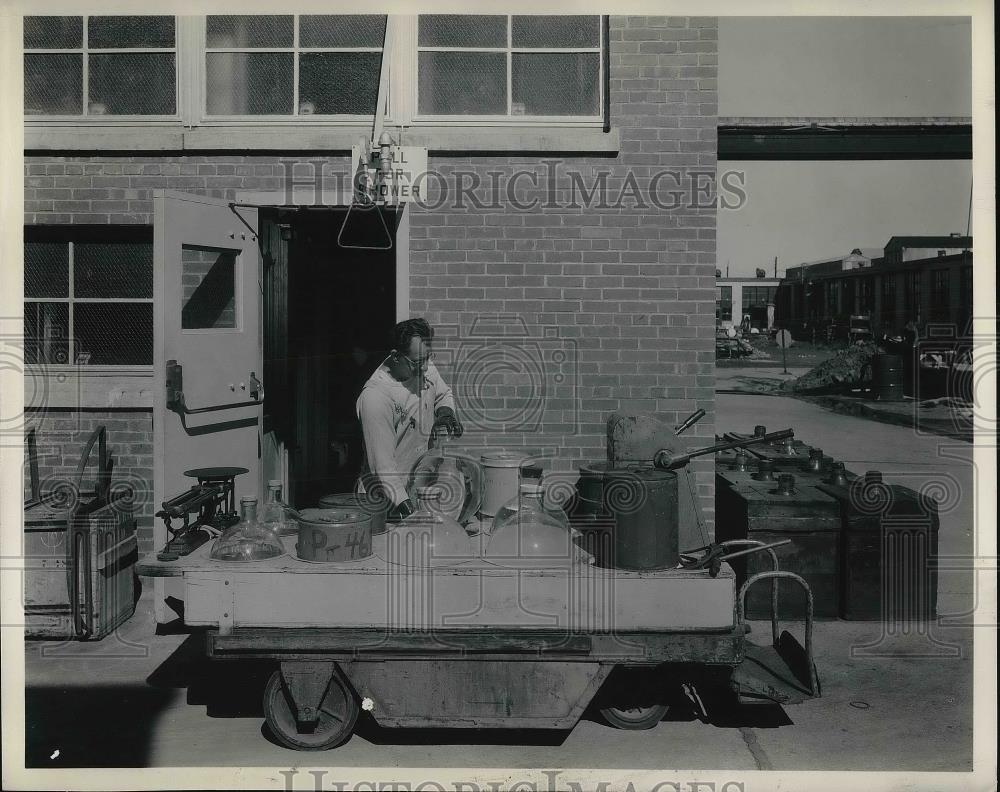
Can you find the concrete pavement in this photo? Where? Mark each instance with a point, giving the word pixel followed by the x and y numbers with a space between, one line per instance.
pixel 890 702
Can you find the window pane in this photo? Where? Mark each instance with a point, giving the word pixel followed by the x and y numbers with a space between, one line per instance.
pixel 113 269
pixel 134 83
pixel 249 31
pixel 331 83
pixel 113 334
pixel 53 84
pixel 341 30
pixel 249 83
pixel 556 31
pixel 462 30
pixel 463 83
pixel 53 32
pixel 46 269
pixel 555 84
pixel 130 31
pixel 208 280
pixel 46 333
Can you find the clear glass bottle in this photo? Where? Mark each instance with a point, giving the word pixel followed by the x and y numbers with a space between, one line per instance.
pixel 458 477
pixel 276 513
pixel 429 537
pixel 532 535
pixel 538 500
pixel 249 539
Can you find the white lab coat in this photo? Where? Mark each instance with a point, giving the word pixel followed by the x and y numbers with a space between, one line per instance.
pixel 397 422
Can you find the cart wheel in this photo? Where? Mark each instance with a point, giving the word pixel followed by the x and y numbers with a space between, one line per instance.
pixel 338 713
pixel 635 718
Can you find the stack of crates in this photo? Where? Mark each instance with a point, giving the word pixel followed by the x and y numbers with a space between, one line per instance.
pixel 80 553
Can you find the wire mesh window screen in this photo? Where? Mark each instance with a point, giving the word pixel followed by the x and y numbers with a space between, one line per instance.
pixel 100 65
pixel 556 31
pixel 88 300
pixel 342 30
pixel 208 284
pixel 46 333
pixel 46 269
pixel 293 65
pixel 556 84
pixel 538 66
pixel 130 32
pixel 53 32
pixel 113 269
pixel 250 31
pixel 103 333
pixel 476 83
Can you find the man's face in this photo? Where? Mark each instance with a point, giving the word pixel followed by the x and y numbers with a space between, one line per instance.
pixel 414 359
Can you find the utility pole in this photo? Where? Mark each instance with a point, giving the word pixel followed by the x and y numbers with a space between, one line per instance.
pixel 775 266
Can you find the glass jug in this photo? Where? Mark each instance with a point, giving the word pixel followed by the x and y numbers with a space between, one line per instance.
pixel 458 477
pixel 429 537
pixel 281 517
pixel 249 539
pixel 532 536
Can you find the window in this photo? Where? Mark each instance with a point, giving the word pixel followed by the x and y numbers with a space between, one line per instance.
pixel 940 308
pixel 724 304
pixel 758 296
pixel 513 66
pixel 292 65
pixel 88 296
pixel 94 66
pixel 889 293
pixel 911 292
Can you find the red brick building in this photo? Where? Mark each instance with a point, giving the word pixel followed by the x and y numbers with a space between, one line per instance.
pixel 570 226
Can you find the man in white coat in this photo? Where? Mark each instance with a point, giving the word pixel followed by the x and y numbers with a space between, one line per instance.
pixel 400 407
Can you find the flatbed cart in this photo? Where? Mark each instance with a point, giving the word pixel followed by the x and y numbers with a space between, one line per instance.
pixel 474 645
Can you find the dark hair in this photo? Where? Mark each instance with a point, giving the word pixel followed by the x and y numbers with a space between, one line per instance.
pixel 404 332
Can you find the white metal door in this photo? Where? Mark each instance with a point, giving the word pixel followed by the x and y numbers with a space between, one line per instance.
pixel 207 321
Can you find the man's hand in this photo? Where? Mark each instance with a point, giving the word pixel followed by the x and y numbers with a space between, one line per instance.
pixel 445 418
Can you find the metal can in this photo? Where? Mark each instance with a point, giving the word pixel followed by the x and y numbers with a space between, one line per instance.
pixel 644 502
pixel 334 535
pixel 376 508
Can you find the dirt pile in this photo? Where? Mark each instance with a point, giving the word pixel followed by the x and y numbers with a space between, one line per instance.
pixel 848 366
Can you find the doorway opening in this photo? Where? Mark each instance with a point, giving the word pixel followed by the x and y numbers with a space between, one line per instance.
pixel 328 316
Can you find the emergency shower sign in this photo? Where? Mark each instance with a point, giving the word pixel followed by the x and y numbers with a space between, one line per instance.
pixel 403 180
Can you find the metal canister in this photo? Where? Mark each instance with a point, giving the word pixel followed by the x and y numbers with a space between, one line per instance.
pixel 590 489
pixel 376 508
pixel 334 535
pixel 644 502
pixel 500 479
pixel 887 378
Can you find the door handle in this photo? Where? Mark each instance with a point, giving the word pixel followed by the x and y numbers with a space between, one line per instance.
pixel 175 393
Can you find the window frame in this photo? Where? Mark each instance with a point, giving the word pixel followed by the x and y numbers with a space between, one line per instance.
pixel 70 235
pixel 198 87
pixel 598 120
pixel 190 50
pixel 85 118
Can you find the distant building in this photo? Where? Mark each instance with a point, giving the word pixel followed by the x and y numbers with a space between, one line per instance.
pixel 744 296
pixel 917 279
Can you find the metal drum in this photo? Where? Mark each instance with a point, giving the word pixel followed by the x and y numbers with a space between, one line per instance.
pixel 334 535
pixel 887 378
pixel 376 508
pixel 644 503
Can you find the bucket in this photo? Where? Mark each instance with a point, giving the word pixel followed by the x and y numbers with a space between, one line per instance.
pixel 887 378
pixel 644 503
pixel 500 479
pixel 376 508
pixel 334 535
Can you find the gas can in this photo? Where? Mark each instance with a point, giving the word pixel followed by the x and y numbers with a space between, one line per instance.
pixel 643 502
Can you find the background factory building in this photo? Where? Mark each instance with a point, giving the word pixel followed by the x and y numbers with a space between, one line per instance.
pixel 547 238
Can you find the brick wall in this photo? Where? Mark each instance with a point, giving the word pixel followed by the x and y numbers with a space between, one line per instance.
pixel 616 297
pixel 61 436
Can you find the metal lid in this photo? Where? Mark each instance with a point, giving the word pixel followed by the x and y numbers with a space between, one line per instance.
pixel 646 473
pixel 428 492
pixel 597 469
pixel 274 483
pixel 505 459
pixel 248 499
pixel 333 516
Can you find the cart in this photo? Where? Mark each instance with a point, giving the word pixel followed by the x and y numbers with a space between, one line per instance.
pixel 476 645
